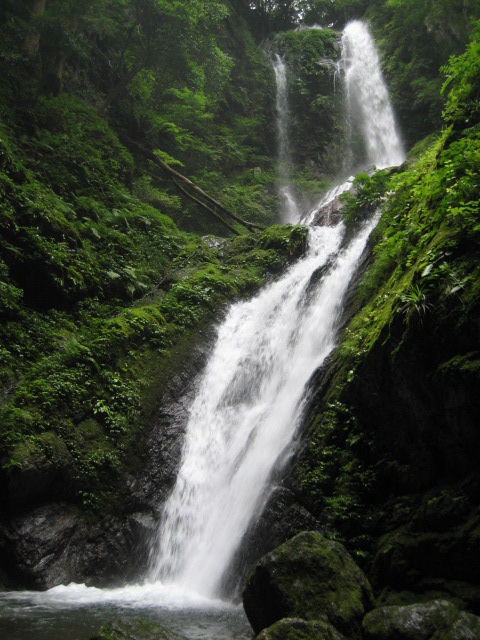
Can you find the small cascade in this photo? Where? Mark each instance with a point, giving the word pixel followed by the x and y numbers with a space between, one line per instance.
pixel 324 211
pixel 290 211
pixel 368 102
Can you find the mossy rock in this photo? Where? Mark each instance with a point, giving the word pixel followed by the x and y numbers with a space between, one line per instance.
pixel 298 629
pixel 38 464
pixel 436 620
pixel 134 629
pixel 308 577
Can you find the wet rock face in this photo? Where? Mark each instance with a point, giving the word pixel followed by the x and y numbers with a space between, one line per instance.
pixel 53 545
pixel 436 619
pixel 328 214
pixel 312 578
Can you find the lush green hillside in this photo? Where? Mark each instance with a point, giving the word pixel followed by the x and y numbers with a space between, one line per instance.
pixel 99 287
pixel 392 452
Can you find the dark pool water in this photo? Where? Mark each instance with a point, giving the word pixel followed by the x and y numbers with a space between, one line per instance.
pixel 76 612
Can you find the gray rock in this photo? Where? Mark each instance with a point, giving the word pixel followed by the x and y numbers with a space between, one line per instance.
pixel 466 627
pixel 312 578
pixel 298 629
pixel 134 629
pixel 44 538
pixel 434 620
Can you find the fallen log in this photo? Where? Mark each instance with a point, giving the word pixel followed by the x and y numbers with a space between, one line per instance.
pixel 180 178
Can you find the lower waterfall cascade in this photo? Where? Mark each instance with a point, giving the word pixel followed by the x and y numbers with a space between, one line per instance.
pixel 246 411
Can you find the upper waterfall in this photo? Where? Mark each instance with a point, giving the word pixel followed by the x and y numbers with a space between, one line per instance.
pixel 368 102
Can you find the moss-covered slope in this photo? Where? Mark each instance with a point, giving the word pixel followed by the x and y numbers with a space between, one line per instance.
pixel 391 454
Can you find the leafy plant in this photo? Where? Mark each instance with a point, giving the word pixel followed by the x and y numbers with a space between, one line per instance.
pixel 414 303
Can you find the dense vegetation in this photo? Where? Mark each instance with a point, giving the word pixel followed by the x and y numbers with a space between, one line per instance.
pixel 109 271
pixel 99 288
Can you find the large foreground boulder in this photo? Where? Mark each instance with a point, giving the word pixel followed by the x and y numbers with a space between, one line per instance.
pixel 312 578
pixel 424 621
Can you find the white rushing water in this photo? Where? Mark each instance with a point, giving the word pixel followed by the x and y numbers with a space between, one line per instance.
pixel 246 411
pixel 290 211
pixel 367 96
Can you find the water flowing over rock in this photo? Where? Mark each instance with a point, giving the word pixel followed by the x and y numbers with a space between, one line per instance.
pixel 247 409
pixel 368 102
pixel 251 398
pixel 290 212
pixel 328 210
pixel 244 413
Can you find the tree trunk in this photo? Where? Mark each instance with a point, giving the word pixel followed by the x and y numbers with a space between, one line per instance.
pixel 31 43
pixel 118 88
pixel 179 178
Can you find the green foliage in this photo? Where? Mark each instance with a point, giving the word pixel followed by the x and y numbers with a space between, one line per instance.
pixel 416 39
pixel 335 477
pixel 121 289
pixel 463 85
pixel 418 298
pixel 413 302
pixel 335 14
pixel 368 194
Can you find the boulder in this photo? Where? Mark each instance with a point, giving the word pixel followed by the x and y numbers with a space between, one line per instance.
pixel 423 621
pixel 308 577
pixel 466 627
pixel 298 629
pixel 134 629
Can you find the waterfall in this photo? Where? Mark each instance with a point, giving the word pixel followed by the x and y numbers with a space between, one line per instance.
pixel 367 97
pixel 290 211
pixel 246 411
pixel 250 398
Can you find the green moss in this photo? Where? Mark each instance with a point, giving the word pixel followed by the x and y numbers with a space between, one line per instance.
pixel 315 101
pixel 419 295
pixel 312 578
pixel 468 364
pixel 298 629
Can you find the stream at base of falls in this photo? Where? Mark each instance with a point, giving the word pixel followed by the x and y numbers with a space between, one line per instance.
pixel 76 612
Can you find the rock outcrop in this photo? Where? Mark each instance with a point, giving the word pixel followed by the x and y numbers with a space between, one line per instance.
pixel 312 578
pixel 298 629
pixel 424 621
